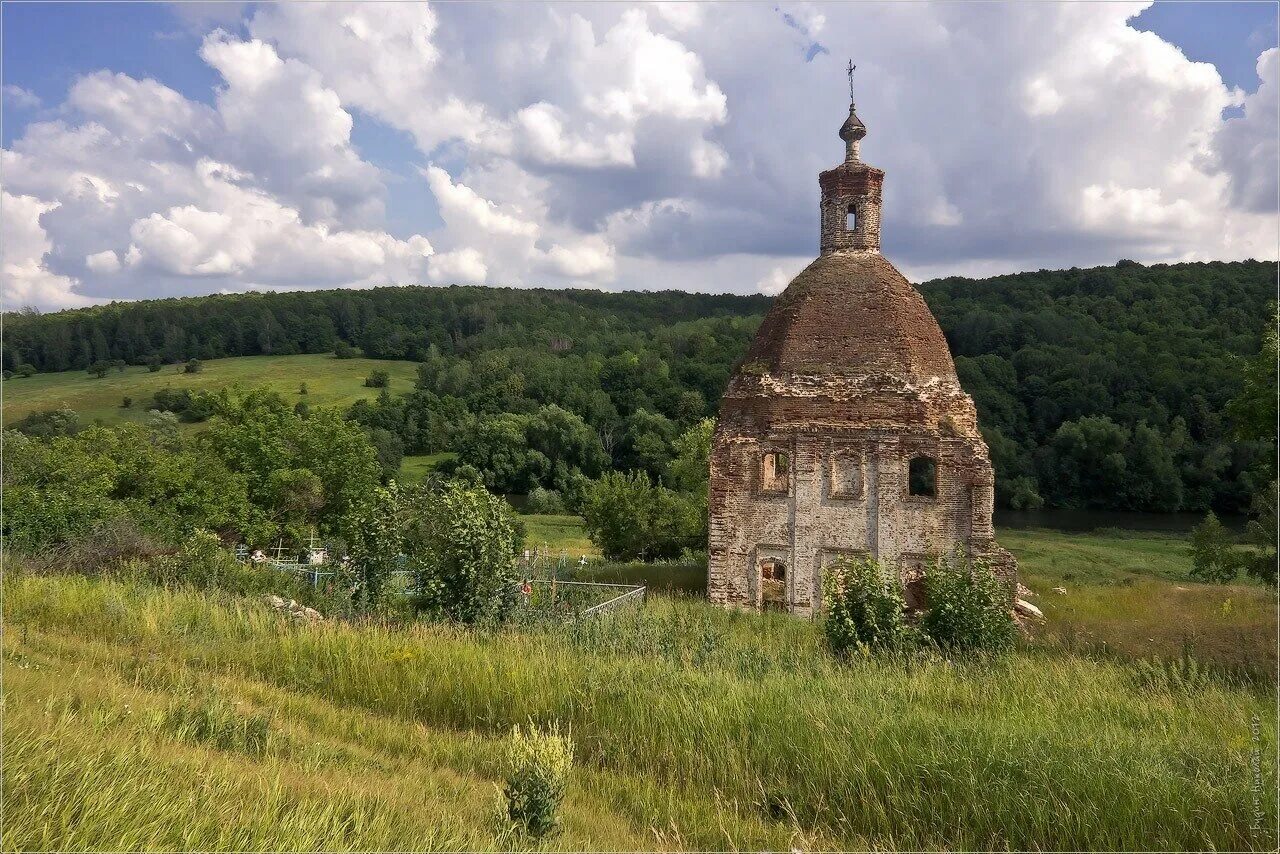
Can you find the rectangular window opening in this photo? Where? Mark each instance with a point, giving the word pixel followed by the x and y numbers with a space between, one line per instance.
pixel 774 469
pixel 923 477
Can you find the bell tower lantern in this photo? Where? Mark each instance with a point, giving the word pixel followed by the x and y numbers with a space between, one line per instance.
pixel 850 203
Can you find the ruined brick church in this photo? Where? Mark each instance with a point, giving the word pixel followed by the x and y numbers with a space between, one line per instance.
pixel 845 431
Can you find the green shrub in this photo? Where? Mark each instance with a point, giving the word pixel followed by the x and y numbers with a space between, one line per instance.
pixel 968 607
pixel 863 608
pixel 631 518
pixel 460 544
pixel 1213 553
pixel 45 423
pixel 202 562
pixel 539 762
pixel 544 502
pixel 193 366
pixel 191 406
pixel 343 350
pixel 1023 494
pixel 374 536
pixel 378 379
pixel 1260 535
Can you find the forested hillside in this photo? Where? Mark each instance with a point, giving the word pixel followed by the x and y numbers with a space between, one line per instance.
pixel 1100 388
pixel 1107 387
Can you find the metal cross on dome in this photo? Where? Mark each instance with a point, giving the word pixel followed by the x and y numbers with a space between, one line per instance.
pixel 852 68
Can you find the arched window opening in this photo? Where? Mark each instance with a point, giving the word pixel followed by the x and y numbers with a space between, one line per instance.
pixel 851 219
pixel 774 468
pixel 923 477
pixel 773 584
pixel 772 569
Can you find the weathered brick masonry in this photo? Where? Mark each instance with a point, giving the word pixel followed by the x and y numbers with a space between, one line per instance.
pixel 845 431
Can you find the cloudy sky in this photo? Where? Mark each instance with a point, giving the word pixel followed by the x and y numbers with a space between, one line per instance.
pixel 153 150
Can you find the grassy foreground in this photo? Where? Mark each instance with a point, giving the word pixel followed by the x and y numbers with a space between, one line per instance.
pixel 140 718
pixel 330 382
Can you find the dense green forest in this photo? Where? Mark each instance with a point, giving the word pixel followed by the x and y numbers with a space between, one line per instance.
pixel 1104 388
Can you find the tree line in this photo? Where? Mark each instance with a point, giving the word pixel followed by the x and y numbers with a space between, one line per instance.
pixel 1101 388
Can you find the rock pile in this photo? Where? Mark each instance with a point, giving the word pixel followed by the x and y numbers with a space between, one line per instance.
pixel 1024 613
pixel 293 610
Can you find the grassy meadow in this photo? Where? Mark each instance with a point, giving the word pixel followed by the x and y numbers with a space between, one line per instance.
pixel 330 382
pixel 559 534
pixel 1128 594
pixel 415 467
pixel 141 718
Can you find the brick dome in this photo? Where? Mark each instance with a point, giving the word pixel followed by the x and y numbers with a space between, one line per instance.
pixel 852 314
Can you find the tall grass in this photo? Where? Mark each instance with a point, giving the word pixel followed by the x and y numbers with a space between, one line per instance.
pixel 697 717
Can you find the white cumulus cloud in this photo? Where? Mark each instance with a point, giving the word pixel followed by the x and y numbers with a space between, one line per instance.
pixel 634 145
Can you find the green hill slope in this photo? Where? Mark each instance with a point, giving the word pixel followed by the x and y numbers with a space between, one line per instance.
pixel 330 382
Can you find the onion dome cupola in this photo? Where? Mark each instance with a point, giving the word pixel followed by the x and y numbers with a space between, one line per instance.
pixel 850 203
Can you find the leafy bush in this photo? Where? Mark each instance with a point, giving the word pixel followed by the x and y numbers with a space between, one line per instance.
pixel 1213 552
pixel 60 489
pixel 968 607
pixel 863 609
pixel 203 563
pixel 259 473
pixel 343 350
pixel 630 518
pixel 62 421
pixel 1260 562
pixel 389 449
pixel 299 473
pixel 190 406
pixel 193 366
pixel 55 491
pixel 1023 494
pixel 460 543
pixel 549 447
pixel 539 762
pixel 374 535
pixel 378 379
pixel 544 502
